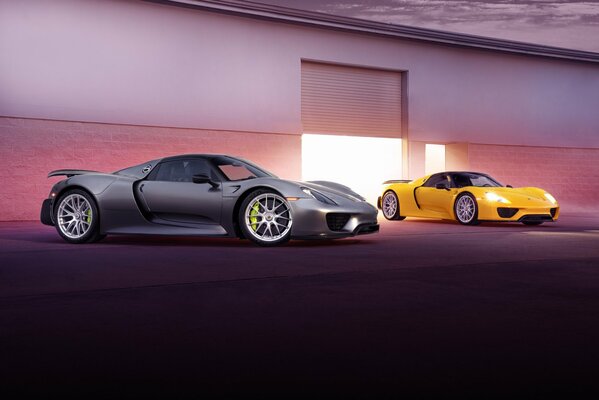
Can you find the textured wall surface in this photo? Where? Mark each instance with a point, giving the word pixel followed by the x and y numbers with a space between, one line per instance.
pixel 139 63
pixel 31 148
pixel 571 175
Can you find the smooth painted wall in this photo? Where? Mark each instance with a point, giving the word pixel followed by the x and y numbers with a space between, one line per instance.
pixel 132 62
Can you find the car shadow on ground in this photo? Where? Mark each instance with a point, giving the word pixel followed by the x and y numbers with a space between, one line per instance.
pixel 219 242
pixel 482 224
pixel 188 241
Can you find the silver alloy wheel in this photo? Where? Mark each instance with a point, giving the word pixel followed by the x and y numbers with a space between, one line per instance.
pixel 268 217
pixel 389 205
pixel 465 209
pixel 74 216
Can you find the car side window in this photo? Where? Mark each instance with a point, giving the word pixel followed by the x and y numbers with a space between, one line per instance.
pixel 182 170
pixel 435 179
pixel 461 180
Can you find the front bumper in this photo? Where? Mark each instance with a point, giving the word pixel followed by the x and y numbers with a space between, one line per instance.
pixel 46 212
pixel 520 214
pixel 315 220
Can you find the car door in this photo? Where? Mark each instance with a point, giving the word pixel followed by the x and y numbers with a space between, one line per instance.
pixel 170 195
pixel 435 202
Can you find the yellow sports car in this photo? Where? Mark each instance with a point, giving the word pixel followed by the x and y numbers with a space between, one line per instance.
pixel 468 197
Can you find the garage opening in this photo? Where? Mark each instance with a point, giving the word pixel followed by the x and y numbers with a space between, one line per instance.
pixel 362 163
pixel 352 126
pixel 434 158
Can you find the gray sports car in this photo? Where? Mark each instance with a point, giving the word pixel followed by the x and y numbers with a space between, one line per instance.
pixel 207 195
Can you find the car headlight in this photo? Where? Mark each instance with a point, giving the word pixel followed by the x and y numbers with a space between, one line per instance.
pixel 318 196
pixel 550 198
pixel 497 198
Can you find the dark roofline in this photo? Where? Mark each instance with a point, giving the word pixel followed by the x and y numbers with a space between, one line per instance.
pixel 310 18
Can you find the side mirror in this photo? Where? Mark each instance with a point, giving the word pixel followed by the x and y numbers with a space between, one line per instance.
pixel 202 178
pixel 441 186
pixel 510 186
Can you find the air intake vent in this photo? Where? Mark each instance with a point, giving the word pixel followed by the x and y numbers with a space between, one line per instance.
pixel 505 212
pixel 553 211
pixel 536 218
pixel 336 221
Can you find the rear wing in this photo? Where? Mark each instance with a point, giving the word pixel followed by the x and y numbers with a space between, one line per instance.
pixel 70 172
pixel 396 181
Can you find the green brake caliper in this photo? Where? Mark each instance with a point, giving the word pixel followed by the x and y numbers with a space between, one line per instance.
pixel 89 216
pixel 254 215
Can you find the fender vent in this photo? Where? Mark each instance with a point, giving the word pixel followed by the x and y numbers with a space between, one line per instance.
pixel 505 212
pixel 336 221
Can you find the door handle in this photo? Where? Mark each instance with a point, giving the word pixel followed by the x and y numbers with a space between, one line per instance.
pixel 141 187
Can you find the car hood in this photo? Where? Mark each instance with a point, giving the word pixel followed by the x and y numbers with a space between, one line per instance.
pixel 332 189
pixel 516 194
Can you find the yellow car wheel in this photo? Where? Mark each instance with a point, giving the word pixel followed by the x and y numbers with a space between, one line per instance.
pixel 466 209
pixel 390 206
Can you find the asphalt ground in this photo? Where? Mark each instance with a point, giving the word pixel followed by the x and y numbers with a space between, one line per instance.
pixel 424 308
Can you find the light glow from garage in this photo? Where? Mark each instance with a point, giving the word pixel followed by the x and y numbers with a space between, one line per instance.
pixel 362 163
pixel 434 158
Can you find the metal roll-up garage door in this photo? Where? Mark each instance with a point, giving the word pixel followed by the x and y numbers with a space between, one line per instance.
pixel 350 100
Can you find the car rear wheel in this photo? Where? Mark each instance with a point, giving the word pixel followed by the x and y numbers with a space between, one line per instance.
pixel 466 209
pixel 77 218
pixel 265 218
pixel 390 206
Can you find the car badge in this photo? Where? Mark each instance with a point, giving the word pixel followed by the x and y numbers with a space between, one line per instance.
pixel 146 169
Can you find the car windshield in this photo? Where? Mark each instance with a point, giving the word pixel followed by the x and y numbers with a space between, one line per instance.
pixel 235 169
pixel 478 180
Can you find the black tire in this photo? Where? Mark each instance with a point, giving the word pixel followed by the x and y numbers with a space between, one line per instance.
pixel 255 233
pixel 532 223
pixel 389 197
pixel 466 201
pixel 93 232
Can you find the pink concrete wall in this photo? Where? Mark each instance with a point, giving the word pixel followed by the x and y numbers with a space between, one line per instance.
pixel 31 148
pixel 571 175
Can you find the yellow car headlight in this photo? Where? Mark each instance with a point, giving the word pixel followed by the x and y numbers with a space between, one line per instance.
pixel 550 198
pixel 496 198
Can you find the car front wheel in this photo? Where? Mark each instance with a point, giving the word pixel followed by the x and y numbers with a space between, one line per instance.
pixel 265 218
pixel 466 209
